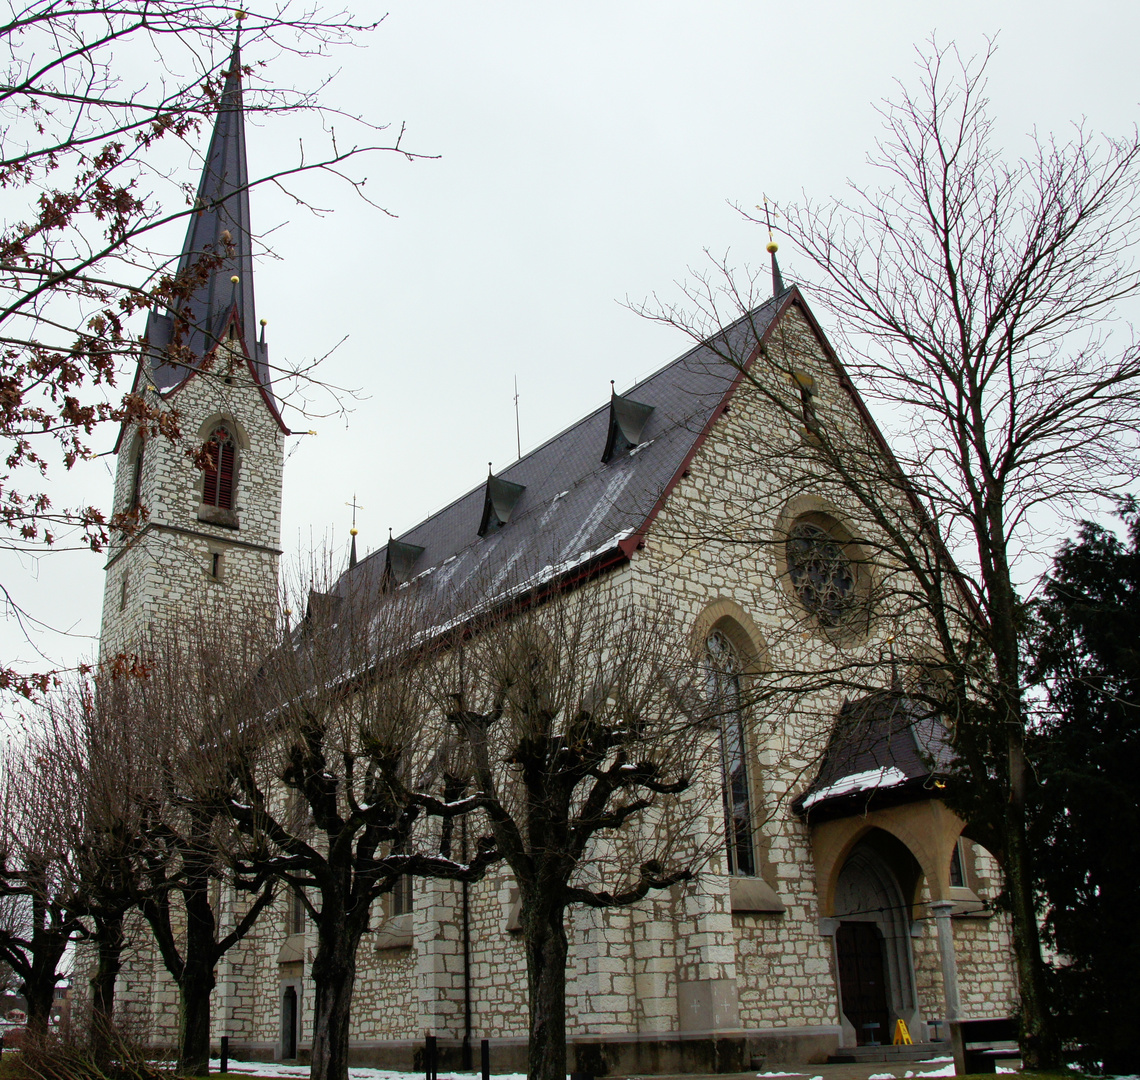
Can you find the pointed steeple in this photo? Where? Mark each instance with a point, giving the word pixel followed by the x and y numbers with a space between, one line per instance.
pixel 221 303
pixel 777 279
pixel 353 531
pixel 773 247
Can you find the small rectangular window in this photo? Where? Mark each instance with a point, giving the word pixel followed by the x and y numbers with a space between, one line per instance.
pixel 402 896
pixel 215 560
pixel 806 386
pixel 123 590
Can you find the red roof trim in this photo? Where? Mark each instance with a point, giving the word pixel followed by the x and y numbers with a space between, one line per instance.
pixel 270 404
pixel 877 433
pixel 633 542
pixel 134 390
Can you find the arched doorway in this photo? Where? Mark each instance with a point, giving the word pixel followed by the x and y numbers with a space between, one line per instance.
pixel 874 962
pixel 863 980
pixel 289 1023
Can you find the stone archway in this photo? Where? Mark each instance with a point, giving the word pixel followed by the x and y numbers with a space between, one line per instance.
pixel 875 964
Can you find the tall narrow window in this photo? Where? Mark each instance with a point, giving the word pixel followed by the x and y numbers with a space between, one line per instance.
pixel 724 670
pixel 957 870
pixel 221 459
pixel 297 912
pixel 136 478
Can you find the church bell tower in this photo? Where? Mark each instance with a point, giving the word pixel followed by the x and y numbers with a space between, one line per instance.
pixel 208 507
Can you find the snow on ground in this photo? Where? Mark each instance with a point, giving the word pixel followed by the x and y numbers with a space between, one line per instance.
pixel 273 1068
pixel 946 1070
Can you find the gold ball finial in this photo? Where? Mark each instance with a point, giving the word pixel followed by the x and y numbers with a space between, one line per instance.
pixel 234 280
pixel 353 532
pixel 239 14
pixel 773 247
pixel 264 322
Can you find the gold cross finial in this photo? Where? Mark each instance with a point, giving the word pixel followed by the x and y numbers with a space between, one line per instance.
pixel 355 506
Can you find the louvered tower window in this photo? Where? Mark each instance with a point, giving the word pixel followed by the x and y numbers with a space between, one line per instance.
pixel 221 466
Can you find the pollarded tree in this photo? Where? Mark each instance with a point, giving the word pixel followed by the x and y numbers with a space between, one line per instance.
pixel 1086 750
pixel 39 890
pixel 173 709
pixel 107 758
pixel 590 746
pixel 973 295
pixel 342 781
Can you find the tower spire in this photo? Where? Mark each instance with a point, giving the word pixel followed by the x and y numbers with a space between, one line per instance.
pixel 220 303
pixel 353 531
pixel 772 248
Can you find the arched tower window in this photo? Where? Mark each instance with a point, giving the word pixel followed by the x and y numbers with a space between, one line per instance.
pixel 221 470
pixel 724 674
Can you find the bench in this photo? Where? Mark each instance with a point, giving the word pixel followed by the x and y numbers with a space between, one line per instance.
pixel 973 1041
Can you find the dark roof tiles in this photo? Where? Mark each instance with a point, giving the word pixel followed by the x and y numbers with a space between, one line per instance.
pixel 575 507
pixel 886 744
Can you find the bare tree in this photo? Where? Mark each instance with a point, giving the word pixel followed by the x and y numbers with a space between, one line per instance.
pixel 974 296
pixel 111 772
pixel 37 883
pixel 86 140
pixel 343 786
pixel 591 750
pixel 178 704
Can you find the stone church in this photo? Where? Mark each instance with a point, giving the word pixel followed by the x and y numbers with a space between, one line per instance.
pixel 846 897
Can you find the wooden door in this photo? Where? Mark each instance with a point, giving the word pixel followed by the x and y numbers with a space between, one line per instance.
pixel 863 980
pixel 289 1023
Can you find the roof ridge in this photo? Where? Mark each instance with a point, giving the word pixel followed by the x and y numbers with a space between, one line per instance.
pixel 586 417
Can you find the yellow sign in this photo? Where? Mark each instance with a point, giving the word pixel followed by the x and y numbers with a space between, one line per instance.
pixel 902 1035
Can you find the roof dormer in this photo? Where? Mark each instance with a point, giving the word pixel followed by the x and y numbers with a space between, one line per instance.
pixel 399 562
pixel 498 503
pixel 627 422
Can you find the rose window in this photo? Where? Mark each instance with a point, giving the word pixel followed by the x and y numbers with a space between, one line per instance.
pixel 821 573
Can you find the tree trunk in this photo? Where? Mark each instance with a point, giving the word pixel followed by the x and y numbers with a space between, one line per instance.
pixel 38 987
pixel 109 947
pixel 334 976
pixel 1040 1048
pixel 39 993
pixel 194 989
pixel 544 931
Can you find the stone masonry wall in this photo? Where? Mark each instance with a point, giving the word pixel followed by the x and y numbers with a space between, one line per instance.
pixel 682 961
pixel 163 571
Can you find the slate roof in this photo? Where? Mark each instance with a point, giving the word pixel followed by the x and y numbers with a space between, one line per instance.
pixel 884 748
pixel 223 205
pixel 576 510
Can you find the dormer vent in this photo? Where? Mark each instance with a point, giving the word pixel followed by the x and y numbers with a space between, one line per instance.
pixel 399 562
pixel 323 608
pixel 500 500
pixel 627 422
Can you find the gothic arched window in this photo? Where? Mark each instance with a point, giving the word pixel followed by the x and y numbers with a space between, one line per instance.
pixel 821 572
pixel 724 674
pixel 221 470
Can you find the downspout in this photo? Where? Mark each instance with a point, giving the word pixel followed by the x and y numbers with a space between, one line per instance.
pixel 466 955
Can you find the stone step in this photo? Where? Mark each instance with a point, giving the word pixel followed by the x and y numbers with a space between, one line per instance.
pixel 918 1052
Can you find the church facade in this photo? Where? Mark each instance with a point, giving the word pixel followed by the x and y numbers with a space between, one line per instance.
pixel 843 896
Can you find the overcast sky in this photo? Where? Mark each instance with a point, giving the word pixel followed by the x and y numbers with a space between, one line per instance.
pixel 587 153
